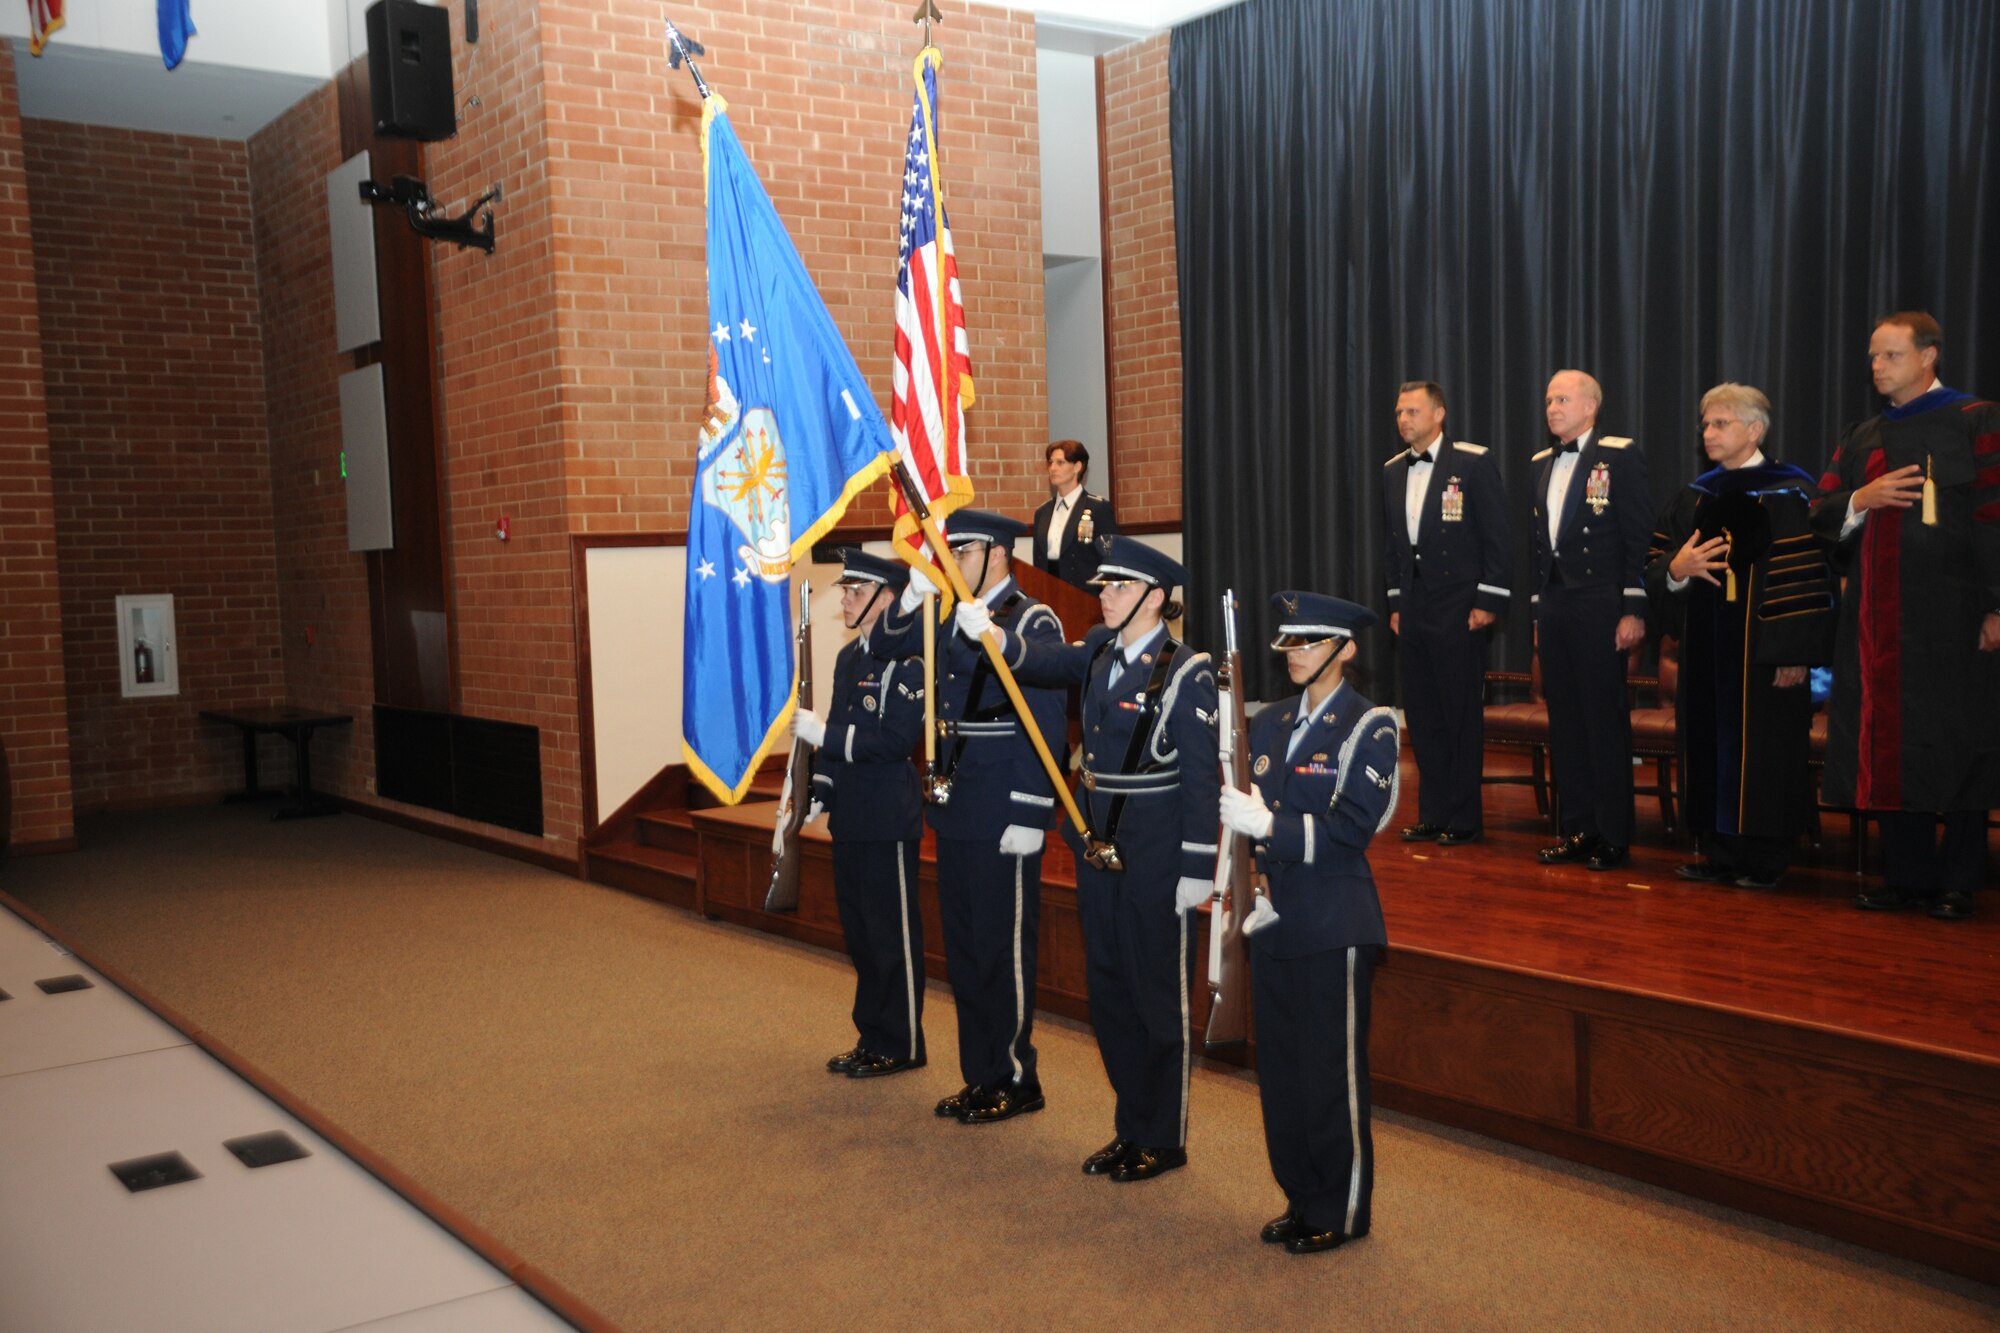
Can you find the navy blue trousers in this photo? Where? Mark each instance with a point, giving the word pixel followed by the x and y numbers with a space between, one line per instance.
pixel 875 886
pixel 990 907
pixel 1312 1076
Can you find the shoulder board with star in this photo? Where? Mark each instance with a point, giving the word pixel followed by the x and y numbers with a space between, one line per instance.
pixel 1615 441
pixel 1468 447
pixel 1543 454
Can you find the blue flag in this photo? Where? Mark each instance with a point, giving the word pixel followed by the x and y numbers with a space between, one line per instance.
pixel 792 434
pixel 176 26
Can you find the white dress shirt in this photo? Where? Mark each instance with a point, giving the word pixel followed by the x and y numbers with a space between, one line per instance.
pixel 1059 520
pixel 1559 475
pixel 1418 484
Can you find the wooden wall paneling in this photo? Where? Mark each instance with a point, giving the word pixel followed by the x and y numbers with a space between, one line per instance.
pixel 1474 1043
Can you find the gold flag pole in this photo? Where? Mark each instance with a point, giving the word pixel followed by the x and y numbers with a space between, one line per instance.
pixel 930 684
pixel 991 642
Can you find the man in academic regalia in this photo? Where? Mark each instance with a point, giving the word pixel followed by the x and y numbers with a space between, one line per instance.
pixel 1746 585
pixel 1912 496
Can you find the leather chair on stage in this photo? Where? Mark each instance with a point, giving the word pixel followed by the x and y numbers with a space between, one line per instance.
pixel 1653 736
pixel 1520 724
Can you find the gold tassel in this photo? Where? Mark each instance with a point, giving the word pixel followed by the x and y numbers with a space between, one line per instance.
pixel 1930 495
pixel 1729 574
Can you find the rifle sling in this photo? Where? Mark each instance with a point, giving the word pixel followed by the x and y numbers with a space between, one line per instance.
pixel 981 672
pixel 1149 712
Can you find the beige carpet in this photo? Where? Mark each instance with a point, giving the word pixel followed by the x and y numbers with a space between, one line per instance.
pixel 631 1098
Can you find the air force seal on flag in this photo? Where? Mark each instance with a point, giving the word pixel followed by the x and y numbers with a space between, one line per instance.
pixel 745 479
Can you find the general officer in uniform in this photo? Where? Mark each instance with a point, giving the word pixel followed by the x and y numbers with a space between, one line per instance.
pixel 1445 547
pixel 1068 525
pixel 990 808
pixel 863 778
pixel 1593 522
pixel 1323 769
pixel 1149 779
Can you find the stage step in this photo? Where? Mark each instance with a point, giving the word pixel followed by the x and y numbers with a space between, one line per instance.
pixel 651 872
pixel 670 830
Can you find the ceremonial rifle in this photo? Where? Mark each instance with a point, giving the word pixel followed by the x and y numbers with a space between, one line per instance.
pixel 796 799
pixel 1237 883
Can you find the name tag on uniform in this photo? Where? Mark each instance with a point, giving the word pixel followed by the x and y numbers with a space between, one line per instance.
pixel 1451 505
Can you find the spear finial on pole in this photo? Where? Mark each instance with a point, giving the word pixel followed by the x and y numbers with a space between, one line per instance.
pixel 927 14
pixel 684 51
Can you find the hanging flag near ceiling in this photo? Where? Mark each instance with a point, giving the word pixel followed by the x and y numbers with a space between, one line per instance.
pixel 176 26
pixel 44 17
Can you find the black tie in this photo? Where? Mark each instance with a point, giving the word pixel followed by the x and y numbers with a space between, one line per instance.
pixel 1569 448
pixel 1416 458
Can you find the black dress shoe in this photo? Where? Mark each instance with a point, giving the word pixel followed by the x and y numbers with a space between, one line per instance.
pixel 1756 881
pixel 1280 1229
pixel 954 1106
pixel 1422 832
pixel 876 1066
pixel 1608 857
pixel 1145 1163
pixel 1458 837
pixel 1576 847
pixel 1886 899
pixel 846 1060
pixel 1952 905
pixel 1004 1102
pixel 1107 1159
pixel 1305 1240
pixel 1702 872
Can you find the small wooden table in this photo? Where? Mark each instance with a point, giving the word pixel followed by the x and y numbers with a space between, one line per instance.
pixel 296 725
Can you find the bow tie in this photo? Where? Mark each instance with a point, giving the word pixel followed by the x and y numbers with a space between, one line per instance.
pixel 1416 458
pixel 1569 448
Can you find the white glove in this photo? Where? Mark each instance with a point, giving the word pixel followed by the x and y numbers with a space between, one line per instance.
pixel 973 619
pixel 809 727
pixel 1020 840
pixel 920 588
pixel 1262 914
pixel 1191 893
pixel 1244 812
pixel 814 811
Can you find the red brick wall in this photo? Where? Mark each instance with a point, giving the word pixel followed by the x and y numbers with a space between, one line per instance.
pixel 153 367
pixel 1144 308
pixel 819 93
pixel 34 726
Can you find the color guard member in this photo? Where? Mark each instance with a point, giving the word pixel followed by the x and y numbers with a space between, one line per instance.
pixel 1324 772
pixel 863 778
pixel 1149 793
pixel 990 822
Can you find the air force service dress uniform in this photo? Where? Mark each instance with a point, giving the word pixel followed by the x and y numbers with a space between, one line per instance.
pixel 862 775
pixel 1452 563
pixel 1085 519
pixel 989 902
pixel 1149 784
pixel 1590 570
pixel 1329 781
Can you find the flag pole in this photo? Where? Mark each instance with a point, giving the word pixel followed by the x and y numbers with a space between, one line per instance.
pixel 681 55
pixel 991 643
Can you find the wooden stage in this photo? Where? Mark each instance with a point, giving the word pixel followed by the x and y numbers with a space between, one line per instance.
pixel 1778 1052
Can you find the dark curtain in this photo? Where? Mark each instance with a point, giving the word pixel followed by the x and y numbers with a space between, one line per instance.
pixel 1665 193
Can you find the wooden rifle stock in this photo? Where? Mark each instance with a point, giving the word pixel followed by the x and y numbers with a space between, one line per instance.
pixel 1235 865
pixel 796 799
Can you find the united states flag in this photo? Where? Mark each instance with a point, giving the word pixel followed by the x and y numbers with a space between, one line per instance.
pixel 932 389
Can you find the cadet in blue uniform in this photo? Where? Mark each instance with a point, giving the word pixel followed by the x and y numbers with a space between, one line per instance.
pixel 1445 547
pixel 1149 792
pixel 1593 522
pixel 863 778
pixel 991 825
pixel 1324 771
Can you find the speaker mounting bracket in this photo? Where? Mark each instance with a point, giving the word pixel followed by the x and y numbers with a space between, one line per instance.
pixel 414 198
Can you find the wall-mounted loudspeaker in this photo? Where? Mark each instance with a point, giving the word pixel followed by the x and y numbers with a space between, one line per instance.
pixel 409 70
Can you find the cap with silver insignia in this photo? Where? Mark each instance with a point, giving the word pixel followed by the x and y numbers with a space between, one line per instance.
pixel 983 525
pixel 1307 618
pixel 1123 559
pixel 858 569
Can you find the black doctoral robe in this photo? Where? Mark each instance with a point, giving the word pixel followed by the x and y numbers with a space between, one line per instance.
pixel 1914 721
pixel 1744 743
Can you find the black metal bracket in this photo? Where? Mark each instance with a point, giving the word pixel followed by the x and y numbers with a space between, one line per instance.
pixel 414 198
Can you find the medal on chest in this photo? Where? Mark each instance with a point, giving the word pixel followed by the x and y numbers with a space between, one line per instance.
pixel 1085 526
pixel 1597 490
pixel 1451 505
